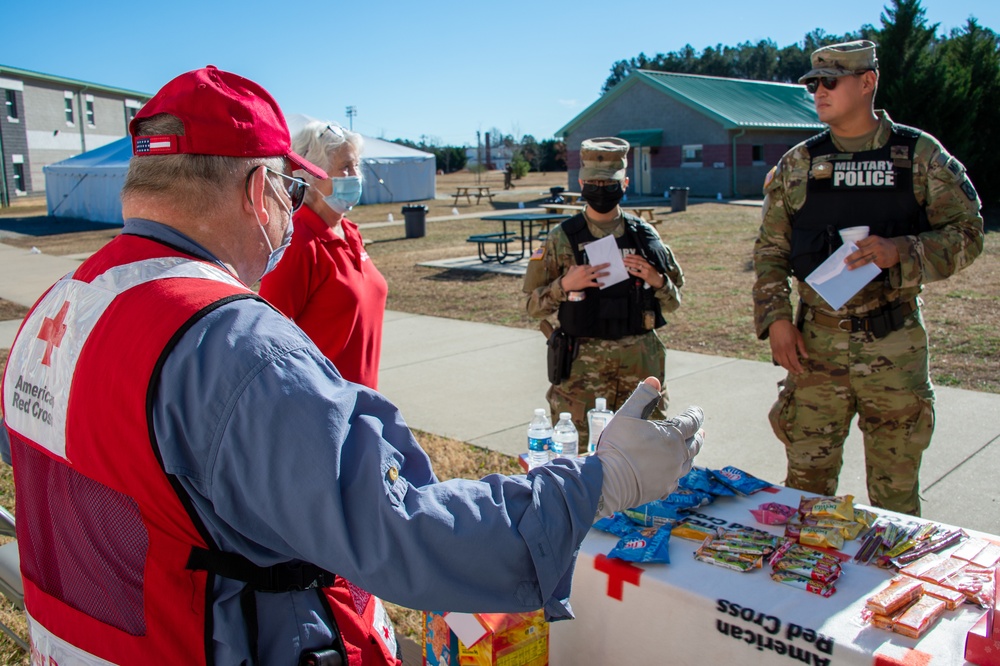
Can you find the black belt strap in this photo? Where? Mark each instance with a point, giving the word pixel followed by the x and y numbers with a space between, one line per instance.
pixel 283 577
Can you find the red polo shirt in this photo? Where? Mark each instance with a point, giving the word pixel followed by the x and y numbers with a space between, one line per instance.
pixel 329 286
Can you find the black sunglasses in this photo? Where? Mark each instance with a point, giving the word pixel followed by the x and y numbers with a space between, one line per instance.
pixel 828 82
pixel 295 188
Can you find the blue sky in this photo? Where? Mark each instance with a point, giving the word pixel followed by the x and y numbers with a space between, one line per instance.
pixel 441 70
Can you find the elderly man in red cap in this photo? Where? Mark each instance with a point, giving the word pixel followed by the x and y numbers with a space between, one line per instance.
pixel 197 484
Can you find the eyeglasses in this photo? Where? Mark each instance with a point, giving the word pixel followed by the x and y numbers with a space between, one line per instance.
pixel 828 82
pixel 333 130
pixel 295 188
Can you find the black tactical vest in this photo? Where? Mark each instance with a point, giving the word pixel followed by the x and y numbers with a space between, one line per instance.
pixel 873 188
pixel 619 310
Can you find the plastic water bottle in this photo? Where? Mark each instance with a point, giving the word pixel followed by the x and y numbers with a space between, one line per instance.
pixel 539 439
pixel 597 418
pixel 565 440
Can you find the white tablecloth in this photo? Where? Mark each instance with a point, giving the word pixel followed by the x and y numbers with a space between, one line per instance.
pixel 691 612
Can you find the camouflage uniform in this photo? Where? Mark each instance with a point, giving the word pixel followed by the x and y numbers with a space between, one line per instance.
pixel 603 368
pixel 886 381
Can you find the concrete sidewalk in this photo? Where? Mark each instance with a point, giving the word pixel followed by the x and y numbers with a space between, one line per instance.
pixel 480 383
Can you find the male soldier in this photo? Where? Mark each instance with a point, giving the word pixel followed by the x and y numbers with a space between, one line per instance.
pixel 614 327
pixel 194 469
pixel 869 356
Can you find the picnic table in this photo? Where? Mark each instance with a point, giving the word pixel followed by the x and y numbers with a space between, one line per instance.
pixel 562 208
pixel 497 246
pixel 571 197
pixel 643 211
pixel 482 191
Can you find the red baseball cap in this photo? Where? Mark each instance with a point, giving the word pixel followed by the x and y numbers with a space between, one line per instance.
pixel 223 114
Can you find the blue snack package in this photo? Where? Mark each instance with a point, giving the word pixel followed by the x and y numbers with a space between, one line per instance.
pixel 654 514
pixel 686 500
pixel 617 524
pixel 647 545
pixel 702 480
pixel 743 483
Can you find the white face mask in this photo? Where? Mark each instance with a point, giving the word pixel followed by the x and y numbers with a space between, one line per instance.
pixel 345 195
pixel 286 239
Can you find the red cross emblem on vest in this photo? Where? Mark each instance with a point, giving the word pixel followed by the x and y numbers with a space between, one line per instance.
pixel 619 572
pixel 52 331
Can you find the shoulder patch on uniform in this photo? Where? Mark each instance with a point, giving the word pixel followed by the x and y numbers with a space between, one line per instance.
pixel 538 254
pixel 821 170
pixel 969 190
pixel 770 176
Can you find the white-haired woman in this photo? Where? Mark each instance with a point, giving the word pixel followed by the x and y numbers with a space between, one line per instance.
pixel 325 281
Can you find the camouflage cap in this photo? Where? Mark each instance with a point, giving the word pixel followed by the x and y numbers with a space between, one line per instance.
pixel 603 158
pixel 842 59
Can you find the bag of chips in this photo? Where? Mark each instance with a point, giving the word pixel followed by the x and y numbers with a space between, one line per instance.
pixel 743 483
pixel 647 545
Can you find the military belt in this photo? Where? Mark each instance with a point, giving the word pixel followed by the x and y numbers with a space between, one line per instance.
pixel 881 322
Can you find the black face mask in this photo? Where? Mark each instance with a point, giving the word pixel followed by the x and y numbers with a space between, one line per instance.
pixel 602 198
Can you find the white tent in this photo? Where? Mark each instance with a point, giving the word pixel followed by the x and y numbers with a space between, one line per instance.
pixel 392 173
pixel 87 186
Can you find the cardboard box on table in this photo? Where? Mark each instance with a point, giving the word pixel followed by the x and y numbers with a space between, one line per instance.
pixel 486 639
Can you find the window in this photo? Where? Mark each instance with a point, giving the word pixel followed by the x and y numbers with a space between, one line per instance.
pixel 69 108
pixel 691 155
pixel 757 154
pixel 90 112
pixel 19 179
pixel 11 105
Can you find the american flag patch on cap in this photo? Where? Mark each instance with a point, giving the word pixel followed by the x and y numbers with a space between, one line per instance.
pixel 154 145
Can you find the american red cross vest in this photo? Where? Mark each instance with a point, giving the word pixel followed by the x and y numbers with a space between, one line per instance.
pixel 873 187
pixel 104 534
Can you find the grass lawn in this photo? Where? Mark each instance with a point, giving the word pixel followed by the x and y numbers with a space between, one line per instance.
pixel 713 243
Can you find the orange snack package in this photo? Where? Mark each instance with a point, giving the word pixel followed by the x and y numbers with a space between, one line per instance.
pixel 919 617
pixel 894 596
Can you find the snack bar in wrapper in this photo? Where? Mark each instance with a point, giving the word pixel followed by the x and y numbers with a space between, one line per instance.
pixel 919 617
pixel 788 578
pixel 988 556
pixel 977 584
pixel 894 596
pixel 692 532
pixel 840 507
pixel 945 568
pixel 969 549
pixel 918 567
pixel 741 562
pixel 822 537
pixel 951 598
pixel 743 483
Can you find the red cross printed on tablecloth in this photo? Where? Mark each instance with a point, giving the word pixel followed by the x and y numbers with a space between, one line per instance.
pixel 619 572
pixel 909 658
pixel 52 331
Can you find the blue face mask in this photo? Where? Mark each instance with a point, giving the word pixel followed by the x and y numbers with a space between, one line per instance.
pixel 346 194
pixel 275 252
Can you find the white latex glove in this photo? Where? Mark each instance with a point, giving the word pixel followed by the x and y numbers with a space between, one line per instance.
pixel 643 459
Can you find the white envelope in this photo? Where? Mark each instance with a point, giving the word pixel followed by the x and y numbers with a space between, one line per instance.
pixel 605 251
pixel 835 282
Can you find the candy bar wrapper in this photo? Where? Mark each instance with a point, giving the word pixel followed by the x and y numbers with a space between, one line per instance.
pixel 894 596
pixel 648 545
pixel 815 572
pixel 772 513
pixel 977 584
pixel 822 537
pixel 865 517
pixel 743 483
pixel 969 549
pixel 617 524
pixel 946 568
pixel 701 479
pixel 793 529
pixel 792 579
pixel 693 532
pixel 741 562
pixel 952 598
pixel 918 567
pixel 919 617
pixel 654 514
pixel 840 507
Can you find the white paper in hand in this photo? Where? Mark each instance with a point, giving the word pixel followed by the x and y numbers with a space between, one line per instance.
pixel 835 283
pixel 605 251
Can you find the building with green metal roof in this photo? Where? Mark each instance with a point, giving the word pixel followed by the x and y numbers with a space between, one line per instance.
pixel 48 118
pixel 710 134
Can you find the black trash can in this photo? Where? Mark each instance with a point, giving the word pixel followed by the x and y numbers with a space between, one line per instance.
pixel 415 220
pixel 679 199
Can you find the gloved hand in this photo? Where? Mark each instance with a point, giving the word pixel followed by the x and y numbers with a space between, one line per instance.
pixel 643 459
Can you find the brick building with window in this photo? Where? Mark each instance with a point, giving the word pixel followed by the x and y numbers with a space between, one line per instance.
pixel 710 134
pixel 49 118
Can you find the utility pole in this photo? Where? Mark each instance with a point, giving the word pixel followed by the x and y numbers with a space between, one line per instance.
pixel 351 112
